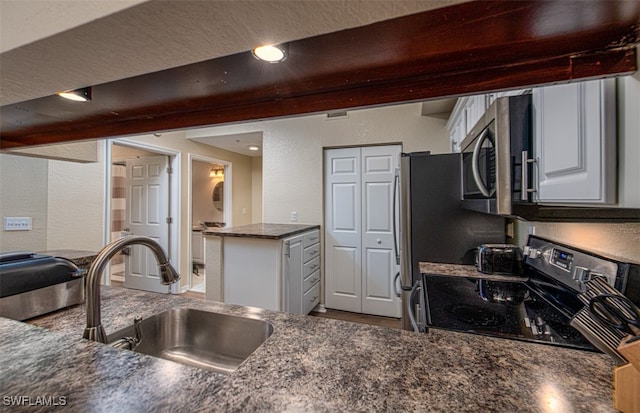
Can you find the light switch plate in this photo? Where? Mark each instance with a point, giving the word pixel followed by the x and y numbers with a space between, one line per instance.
pixel 17 223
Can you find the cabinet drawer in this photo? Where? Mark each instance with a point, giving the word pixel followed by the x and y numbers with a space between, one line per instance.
pixel 313 237
pixel 311 252
pixel 311 266
pixel 311 298
pixel 311 280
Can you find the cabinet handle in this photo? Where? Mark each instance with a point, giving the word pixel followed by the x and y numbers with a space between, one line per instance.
pixel 313 299
pixel 524 191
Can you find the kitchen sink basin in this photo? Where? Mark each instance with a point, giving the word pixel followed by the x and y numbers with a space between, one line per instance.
pixel 210 341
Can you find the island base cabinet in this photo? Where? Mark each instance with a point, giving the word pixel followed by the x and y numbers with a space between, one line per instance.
pixel 252 272
pixel 275 274
pixel 301 256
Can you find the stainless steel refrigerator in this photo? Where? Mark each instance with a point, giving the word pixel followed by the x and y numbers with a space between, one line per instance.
pixel 434 227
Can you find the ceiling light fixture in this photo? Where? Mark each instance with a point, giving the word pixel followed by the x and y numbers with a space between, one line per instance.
pixel 254 148
pixel 78 95
pixel 271 53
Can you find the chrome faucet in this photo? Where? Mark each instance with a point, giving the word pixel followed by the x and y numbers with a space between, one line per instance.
pixel 168 275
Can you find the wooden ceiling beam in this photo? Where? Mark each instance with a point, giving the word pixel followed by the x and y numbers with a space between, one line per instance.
pixel 463 49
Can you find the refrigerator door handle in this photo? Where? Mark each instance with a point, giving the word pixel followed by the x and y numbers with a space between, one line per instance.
pixel 396 182
pixel 396 285
pixel 410 307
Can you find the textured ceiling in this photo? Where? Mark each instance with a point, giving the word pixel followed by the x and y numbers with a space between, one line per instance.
pixel 159 34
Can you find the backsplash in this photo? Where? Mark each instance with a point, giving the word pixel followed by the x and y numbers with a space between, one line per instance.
pixel 620 241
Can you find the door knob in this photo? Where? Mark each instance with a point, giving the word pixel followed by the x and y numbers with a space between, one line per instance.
pixel 379 241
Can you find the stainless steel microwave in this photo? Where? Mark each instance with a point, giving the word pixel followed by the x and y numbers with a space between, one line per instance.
pixel 495 157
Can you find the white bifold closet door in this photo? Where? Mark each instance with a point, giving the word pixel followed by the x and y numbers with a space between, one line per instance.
pixel 360 256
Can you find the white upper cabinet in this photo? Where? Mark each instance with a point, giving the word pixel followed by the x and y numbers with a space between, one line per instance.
pixel 468 110
pixel 574 132
pixel 457 125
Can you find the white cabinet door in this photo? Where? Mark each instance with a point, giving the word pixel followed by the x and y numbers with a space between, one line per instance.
pixel 343 251
pixel 197 247
pixel 359 253
pixel 474 108
pixel 293 274
pixel 457 125
pixel 378 254
pixel 575 142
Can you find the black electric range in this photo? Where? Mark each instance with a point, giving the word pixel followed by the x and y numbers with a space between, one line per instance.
pixel 536 305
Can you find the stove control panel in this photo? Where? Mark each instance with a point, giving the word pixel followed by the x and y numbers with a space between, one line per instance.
pixel 561 259
pixel 571 266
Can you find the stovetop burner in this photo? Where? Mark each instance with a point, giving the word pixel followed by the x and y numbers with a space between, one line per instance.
pixel 476 316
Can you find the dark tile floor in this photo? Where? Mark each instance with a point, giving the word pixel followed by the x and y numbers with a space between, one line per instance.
pixel 360 318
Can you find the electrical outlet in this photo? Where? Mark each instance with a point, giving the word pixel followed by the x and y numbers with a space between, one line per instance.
pixel 17 223
pixel 531 229
pixel 294 216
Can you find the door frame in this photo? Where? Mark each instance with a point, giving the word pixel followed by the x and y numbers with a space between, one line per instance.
pixel 175 211
pixel 227 214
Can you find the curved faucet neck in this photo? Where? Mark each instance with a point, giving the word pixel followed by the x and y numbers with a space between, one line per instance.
pixel 94 330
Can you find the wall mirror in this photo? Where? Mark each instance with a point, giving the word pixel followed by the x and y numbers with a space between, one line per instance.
pixel 217 195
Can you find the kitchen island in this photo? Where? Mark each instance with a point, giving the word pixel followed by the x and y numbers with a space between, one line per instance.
pixel 273 266
pixel 309 363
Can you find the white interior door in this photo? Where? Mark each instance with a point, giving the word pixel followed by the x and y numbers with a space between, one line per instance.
pixel 378 254
pixel 359 247
pixel 343 251
pixel 147 184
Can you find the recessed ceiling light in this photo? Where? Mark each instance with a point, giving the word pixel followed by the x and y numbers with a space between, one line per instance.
pixel 78 95
pixel 254 148
pixel 270 53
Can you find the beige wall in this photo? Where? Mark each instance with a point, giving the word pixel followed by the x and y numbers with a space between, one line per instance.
pixel 202 185
pixel 256 190
pixel 620 241
pixel 23 193
pixel 76 204
pixel 241 183
pixel 66 200
pixel 292 160
pixel 85 151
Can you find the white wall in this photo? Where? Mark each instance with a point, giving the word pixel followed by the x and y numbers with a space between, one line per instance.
pixel 292 161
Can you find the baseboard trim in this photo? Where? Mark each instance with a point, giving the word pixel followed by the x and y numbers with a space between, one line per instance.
pixel 320 308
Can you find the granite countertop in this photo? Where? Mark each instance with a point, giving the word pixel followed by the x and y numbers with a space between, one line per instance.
pixel 263 231
pixel 81 258
pixel 309 363
pixel 467 271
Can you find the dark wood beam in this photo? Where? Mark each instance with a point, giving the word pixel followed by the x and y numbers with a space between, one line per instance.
pixel 468 48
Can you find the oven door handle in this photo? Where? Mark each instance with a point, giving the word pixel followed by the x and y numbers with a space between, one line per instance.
pixel 474 165
pixel 410 307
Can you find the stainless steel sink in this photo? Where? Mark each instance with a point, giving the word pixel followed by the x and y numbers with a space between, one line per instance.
pixel 210 341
